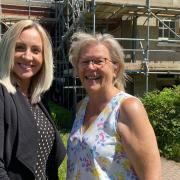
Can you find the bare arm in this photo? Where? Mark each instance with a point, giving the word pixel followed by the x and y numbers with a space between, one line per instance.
pixel 139 140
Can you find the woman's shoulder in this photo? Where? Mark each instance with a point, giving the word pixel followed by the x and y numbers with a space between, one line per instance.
pixel 6 94
pixel 3 94
pixel 128 102
pixel 131 102
pixel 2 88
pixel 122 97
pixel 125 94
pixel 132 108
pixel 7 86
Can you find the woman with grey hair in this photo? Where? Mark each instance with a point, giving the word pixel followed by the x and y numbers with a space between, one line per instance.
pixel 111 137
pixel 30 144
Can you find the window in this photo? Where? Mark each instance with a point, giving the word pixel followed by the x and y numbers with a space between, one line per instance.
pixel 164 31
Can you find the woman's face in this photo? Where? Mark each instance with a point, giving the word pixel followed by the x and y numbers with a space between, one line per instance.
pixel 28 57
pixel 95 68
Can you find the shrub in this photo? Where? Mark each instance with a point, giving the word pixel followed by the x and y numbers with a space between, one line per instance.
pixel 163 109
pixel 61 116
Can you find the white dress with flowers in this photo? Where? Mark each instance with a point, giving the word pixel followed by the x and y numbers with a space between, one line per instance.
pixel 98 153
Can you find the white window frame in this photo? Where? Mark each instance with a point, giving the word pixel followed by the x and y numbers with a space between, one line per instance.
pixel 165 32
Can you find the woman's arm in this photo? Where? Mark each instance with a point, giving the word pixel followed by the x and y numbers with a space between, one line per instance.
pixel 139 140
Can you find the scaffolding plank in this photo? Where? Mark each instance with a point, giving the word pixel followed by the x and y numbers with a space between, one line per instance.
pixel 160 3
pixel 154 66
pixel 113 9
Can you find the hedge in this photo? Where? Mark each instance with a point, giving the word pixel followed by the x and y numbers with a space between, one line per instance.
pixel 163 109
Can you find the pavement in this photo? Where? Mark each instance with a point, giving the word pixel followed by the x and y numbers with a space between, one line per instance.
pixel 170 169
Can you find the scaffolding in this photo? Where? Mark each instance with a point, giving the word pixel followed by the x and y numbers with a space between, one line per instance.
pixel 68 20
pixel 100 16
pixel 14 10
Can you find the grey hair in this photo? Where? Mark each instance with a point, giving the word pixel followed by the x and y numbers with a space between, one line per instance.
pixel 40 82
pixel 80 40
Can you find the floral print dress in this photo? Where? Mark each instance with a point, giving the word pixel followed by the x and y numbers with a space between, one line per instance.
pixel 97 154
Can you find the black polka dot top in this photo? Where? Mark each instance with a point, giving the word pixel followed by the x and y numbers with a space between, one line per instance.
pixel 46 136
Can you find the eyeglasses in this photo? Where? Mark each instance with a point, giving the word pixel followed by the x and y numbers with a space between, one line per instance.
pixel 96 62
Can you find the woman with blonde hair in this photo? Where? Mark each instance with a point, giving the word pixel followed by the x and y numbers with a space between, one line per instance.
pixel 30 144
pixel 111 137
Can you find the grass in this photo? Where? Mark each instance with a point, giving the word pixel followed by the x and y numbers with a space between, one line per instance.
pixel 63 168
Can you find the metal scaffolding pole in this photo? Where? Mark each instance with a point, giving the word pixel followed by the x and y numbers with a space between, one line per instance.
pixel 147 47
pixel 29 9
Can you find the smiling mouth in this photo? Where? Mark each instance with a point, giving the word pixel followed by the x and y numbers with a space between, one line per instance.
pixel 92 77
pixel 25 66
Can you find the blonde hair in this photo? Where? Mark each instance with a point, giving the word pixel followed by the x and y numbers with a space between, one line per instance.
pixel 40 82
pixel 82 39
